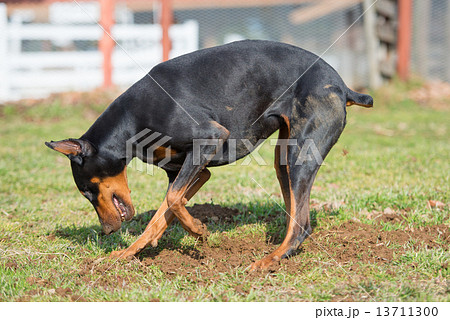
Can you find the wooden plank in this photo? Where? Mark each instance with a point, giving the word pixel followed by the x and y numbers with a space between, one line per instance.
pixel 37 31
pixel 387 8
pixel 56 60
pixel 86 79
pixel 81 70
pixel 387 67
pixel 195 4
pixel 319 9
pixel 4 85
pixel 184 38
pixel 148 5
pixel 387 32
pixel 372 44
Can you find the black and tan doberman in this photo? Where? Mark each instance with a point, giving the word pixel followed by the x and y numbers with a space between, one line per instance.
pixel 243 91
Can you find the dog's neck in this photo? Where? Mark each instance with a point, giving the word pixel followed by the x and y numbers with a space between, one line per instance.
pixel 111 131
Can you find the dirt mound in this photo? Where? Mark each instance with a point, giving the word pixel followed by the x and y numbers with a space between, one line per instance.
pixel 357 242
pixel 391 217
pixel 213 213
pixel 206 213
pixel 209 261
pixel 348 244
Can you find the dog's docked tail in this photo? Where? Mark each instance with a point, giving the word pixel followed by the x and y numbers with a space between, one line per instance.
pixel 363 100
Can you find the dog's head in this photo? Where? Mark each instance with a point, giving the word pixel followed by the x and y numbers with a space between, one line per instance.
pixel 103 181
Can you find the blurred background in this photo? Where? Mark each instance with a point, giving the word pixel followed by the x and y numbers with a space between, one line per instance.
pixel 380 206
pixel 49 46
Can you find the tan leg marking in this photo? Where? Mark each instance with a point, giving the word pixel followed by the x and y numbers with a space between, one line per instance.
pixel 160 221
pixel 289 199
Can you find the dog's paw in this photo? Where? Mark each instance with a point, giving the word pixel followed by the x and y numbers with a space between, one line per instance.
pixel 265 263
pixel 199 231
pixel 121 254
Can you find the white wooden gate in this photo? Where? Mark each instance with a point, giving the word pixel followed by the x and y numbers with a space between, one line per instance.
pixel 38 73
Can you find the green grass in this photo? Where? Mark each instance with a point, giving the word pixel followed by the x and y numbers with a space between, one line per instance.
pixel 397 157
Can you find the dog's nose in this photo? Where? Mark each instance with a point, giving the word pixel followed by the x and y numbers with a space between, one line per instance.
pixel 130 213
pixel 108 229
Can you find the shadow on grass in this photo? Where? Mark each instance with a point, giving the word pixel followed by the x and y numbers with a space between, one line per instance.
pixel 217 219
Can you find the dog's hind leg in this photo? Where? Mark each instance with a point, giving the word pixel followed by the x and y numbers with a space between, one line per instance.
pixel 161 219
pixel 314 126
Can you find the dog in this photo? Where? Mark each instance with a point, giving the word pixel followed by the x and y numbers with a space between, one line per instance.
pixel 245 90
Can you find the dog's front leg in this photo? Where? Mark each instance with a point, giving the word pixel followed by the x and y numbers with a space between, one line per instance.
pixel 160 221
pixel 209 142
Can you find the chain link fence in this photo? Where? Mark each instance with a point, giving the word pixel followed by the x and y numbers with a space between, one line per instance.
pixel 322 27
pixel 431 39
pixel 312 25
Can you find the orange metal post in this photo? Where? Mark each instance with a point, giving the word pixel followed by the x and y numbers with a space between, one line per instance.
pixel 107 43
pixel 166 21
pixel 404 38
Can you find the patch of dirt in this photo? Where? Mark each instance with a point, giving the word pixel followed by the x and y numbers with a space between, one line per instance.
pixel 46 287
pixel 100 273
pixel 435 204
pixel 24 298
pixel 326 206
pixel 90 102
pixel 40 282
pixel 387 215
pixel 354 242
pixel 434 94
pixel 348 244
pixel 11 265
pixel 207 213
pixel 391 217
pixel 210 260
pixel 63 292
pixel 77 298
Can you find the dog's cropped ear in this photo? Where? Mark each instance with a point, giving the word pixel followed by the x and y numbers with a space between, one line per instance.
pixel 74 149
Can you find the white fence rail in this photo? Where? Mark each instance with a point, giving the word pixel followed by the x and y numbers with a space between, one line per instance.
pixel 38 73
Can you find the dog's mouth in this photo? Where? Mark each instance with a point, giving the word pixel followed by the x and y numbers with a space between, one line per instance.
pixel 121 208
